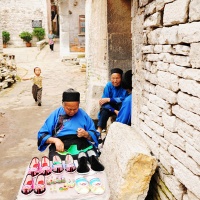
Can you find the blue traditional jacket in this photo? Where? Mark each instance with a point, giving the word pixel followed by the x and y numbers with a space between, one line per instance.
pixel 80 120
pixel 124 115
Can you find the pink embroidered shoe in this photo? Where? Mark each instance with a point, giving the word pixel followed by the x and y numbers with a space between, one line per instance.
pixel 27 186
pixel 34 167
pixel 40 187
pixel 45 166
pixel 57 166
pixel 69 164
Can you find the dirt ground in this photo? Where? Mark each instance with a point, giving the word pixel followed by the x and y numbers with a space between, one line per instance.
pixel 21 117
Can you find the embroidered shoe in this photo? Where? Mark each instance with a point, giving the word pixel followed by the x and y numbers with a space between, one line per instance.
pixel 40 187
pixel 45 166
pixel 34 167
pixel 27 187
pixel 69 164
pixel 57 166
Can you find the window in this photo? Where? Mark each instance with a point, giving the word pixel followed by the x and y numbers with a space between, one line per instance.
pixel 82 24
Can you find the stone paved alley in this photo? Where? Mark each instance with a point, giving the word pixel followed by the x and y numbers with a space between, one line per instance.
pixel 21 118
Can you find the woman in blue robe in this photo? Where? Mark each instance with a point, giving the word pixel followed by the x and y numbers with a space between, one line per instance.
pixel 112 98
pixel 124 114
pixel 68 129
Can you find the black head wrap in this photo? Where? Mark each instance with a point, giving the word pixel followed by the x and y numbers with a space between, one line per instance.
pixel 116 70
pixel 127 80
pixel 71 95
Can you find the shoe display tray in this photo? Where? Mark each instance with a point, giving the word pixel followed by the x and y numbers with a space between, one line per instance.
pixel 53 191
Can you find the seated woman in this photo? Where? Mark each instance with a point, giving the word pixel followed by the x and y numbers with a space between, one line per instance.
pixel 69 130
pixel 124 114
pixel 111 100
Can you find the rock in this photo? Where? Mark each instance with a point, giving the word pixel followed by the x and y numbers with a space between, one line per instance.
pixel 128 163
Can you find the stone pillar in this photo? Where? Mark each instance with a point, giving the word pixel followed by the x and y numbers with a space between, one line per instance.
pixel 64 28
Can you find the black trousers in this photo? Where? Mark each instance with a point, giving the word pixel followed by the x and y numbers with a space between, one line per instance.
pixel 69 140
pixel 51 46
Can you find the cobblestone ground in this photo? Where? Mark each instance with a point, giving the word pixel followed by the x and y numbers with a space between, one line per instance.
pixel 21 118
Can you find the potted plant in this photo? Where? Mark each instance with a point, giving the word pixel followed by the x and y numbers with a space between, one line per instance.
pixel 5 38
pixel 39 33
pixel 26 37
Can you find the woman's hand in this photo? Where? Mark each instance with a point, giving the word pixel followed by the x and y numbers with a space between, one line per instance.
pixel 82 133
pixel 58 143
pixel 103 101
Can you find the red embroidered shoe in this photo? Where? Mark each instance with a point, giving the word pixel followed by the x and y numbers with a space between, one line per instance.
pixel 34 167
pixel 45 166
pixel 40 187
pixel 27 186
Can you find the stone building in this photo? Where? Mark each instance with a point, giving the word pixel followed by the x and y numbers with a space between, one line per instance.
pixel 68 22
pixel 159 41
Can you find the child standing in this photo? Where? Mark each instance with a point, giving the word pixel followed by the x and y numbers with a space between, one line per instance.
pixel 37 85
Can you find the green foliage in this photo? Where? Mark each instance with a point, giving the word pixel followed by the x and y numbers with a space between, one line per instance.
pixel 26 36
pixel 39 33
pixel 5 37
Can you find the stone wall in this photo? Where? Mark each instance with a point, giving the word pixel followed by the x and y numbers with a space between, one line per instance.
pixel 166 92
pixel 17 15
pixel 8 71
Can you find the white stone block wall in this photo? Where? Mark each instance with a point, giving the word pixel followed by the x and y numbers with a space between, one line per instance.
pixel 166 93
pixel 17 15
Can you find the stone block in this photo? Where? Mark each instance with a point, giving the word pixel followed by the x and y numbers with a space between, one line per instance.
pixel 154 126
pixel 181 49
pixel 187 161
pixel 189 102
pixel 173 184
pixel 164 35
pixel 159 102
pixel 148 49
pixel 187 116
pixel 152 78
pixel 167 48
pixel 193 153
pixel 166 57
pixel 186 177
pixel 193 74
pixel 153 20
pixel 168 80
pixel 190 86
pixel 149 87
pixel 182 61
pixel 154 108
pixel 169 122
pixel 176 12
pixel 166 94
pixel 177 70
pixel 195 55
pixel 158 48
pixel 160 4
pixel 162 66
pixel 129 176
pixel 150 8
pixel 194 10
pixel 175 139
pixel 189 32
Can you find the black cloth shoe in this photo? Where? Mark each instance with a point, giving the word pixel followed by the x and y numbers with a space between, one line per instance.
pixel 94 162
pixel 82 163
